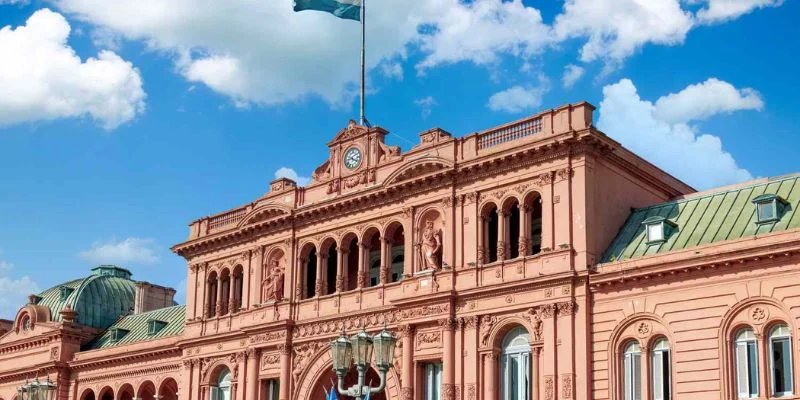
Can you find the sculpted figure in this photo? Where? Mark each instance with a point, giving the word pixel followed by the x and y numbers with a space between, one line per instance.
pixel 272 285
pixel 431 244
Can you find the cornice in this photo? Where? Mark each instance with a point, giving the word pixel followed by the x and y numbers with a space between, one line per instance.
pixel 129 373
pixel 116 359
pixel 684 264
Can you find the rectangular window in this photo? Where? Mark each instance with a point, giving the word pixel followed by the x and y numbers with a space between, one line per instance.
pixel 273 388
pixel 655 232
pixel 766 211
pixel 432 381
pixel 747 369
pixel 781 366
pixel 214 393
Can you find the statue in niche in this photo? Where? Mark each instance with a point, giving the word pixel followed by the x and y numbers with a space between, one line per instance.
pixel 272 286
pixel 431 246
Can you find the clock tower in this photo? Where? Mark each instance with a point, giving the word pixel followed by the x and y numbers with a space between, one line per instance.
pixel 355 153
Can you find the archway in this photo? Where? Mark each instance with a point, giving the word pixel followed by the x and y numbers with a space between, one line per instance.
pixel 323 383
pixel 87 394
pixel 147 391
pixel 168 389
pixel 106 393
pixel 125 392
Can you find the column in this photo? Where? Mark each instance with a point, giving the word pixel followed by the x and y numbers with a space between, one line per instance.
pixel 448 359
pixel 481 221
pixel 185 382
pixel 256 263
pixel 763 365
pixel 386 260
pixel 219 294
pixel 191 292
pixel 645 379
pixel 471 361
pixel 320 283
pixel 202 298
pixel 525 216
pixel 286 370
pixel 197 393
pixel 490 375
pixel 407 373
pixel 340 256
pixel 302 276
pixel 248 284
pixel 363 265
pixel 502 234
pixel 536 372
pixel 241 382
pixel 232 292
pixel 251 389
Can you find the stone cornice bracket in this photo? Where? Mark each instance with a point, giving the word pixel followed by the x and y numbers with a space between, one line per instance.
pixel 448 324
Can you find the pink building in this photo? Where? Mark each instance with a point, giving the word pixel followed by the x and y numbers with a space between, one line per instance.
pixel 538 260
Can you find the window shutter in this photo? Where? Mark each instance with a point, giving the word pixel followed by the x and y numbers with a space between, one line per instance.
pixel 658 375
pixel 637 377
pixel 627 378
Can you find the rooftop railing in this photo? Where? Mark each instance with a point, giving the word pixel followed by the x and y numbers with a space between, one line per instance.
pixel 229 218
pixel 509 133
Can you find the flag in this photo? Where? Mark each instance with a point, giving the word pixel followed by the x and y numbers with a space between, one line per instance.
pixel 369 394
pixel 332 394
pixel 346 9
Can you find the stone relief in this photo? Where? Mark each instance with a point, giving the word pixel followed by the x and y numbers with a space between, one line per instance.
pixel 431 247
pixel 272 286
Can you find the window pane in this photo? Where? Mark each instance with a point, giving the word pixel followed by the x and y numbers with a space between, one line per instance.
pixel 781 366
pixel 765 211
pixel 658 376
pixel 627 378
pixel 637 376
pixel 741 369
pixel 667 375
pixel 752 369
pixel 513 378
pixel 654 232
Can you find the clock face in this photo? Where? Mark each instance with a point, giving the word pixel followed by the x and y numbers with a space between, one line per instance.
pixel 352 158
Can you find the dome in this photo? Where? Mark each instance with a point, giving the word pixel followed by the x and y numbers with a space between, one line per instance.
pixel 99 299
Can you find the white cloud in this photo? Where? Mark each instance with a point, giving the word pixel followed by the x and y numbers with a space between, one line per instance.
pixel 41 77
pixel 132 249
pixel 723 10
pixel 702 100
pixel 519 98
pixel 15 290
pixel 678 148
pixel 426 104
pixel 393 70
pixel 572 73
pixel 286 172
pixel 615 29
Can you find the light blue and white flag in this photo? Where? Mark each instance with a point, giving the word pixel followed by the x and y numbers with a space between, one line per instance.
pixel 346 9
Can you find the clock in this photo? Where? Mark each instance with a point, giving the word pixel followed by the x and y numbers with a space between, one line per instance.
pixel 352 158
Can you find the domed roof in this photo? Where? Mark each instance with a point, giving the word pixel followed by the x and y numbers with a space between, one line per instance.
pixel 99 299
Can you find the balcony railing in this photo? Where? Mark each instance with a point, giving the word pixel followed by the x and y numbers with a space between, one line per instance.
pixel 509 133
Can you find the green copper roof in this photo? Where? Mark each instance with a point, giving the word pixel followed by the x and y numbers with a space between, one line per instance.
pixel 136 328
pixel 707 218
pixel 99 299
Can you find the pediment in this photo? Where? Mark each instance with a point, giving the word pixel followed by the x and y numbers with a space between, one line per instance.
pixel 264 213
pixel 417 169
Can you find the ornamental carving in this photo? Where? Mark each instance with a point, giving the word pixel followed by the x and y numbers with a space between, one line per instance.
pixel 567 308
pixel 448 201
pixel 268 337
pixel 428 339
pixel 302 356
pixel 565 173
pixel 544 179
pixel 549 387
pixel 270 361
pixel 548 310
pixel 471 198
pixel 535 318
pixel 272 286
pixel 472 392
pixel 548 292
pixel 759 314
pixel 407 393
pixel 448 391
pixel 487 322
pixel 566 386
pixel 470 322
pixel 643 329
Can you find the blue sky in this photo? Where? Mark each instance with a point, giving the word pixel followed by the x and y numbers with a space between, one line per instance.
pixel 122 121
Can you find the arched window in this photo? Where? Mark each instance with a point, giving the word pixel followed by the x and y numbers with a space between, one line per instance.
pixel 491 235
pixel 311 274
pixel 661 370
pixel 397 247
pixel 515 365
pixel 225 291
pixel 746 364
pixel 632 371
pixel 25 322
pixel 535 220
pixel 513 231
pixel 211 294
pixel 238 284
pixel 331 270
pixel 780 348
pixel 222 389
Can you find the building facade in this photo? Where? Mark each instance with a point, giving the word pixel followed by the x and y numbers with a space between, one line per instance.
pixel 538 260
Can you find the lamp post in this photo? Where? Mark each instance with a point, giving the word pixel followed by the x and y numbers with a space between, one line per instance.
pixel 359 349
pixel 37 390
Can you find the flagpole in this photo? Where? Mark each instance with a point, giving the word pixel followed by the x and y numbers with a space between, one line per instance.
pixel 363 56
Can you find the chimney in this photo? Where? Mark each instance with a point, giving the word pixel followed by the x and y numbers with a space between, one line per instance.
pixel 151 297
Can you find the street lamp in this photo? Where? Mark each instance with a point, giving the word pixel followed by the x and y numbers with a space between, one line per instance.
pixel 359 350
pixel 37 390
